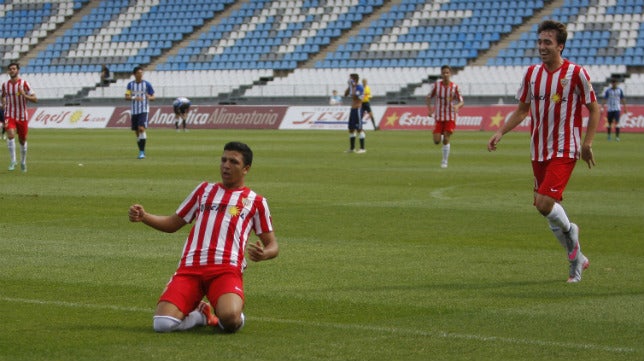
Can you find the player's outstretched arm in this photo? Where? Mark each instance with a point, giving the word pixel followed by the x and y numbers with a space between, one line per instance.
pixel 168 224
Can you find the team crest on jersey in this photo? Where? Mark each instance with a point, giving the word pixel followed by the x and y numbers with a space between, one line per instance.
pixel 565 82
pixel 246 202
pixel 233 211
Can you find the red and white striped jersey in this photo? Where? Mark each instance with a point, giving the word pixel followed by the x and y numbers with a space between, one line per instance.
pixel 223 220
pixel 556 100
pixel 15 105
pixel 445 97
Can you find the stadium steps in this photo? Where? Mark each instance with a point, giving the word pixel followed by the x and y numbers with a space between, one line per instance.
pixel 75 99
pixel 349 33
pixel 537 17
pixel 405 94
pixel 59 31
pixel 332 47
pixel 310 63
pixel 237 94
pixel 216 20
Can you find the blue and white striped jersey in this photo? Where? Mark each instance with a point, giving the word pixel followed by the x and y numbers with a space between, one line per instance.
pixel 139 93
pixel 614 97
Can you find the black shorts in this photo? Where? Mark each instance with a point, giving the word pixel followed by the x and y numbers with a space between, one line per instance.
pixel 139 120
pixel 355 119
pixel 366 107
pixel 613 117
pixel 181 109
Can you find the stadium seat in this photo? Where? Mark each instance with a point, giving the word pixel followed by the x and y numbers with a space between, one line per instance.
pixel 412 33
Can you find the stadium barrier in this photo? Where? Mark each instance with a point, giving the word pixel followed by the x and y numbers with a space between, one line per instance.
pixel 477 118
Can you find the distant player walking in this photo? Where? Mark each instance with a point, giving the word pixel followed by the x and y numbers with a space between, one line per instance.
pixel 443 102
pixel 15 94
pixel 553 94
pixel 614 96
pixel 140 93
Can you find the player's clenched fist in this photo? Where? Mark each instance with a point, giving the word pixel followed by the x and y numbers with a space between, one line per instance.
pixel 136 213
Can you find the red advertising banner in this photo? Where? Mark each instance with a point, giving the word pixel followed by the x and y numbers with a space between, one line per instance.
pixel 631 121
pixel 491 118
pixel 207 117
pixel 416 118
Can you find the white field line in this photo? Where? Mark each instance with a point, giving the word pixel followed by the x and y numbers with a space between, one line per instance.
pixel 391 330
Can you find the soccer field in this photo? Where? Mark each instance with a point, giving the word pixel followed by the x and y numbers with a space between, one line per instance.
pixel 384 255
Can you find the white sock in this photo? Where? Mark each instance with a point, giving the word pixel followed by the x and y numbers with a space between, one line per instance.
pixel 169 324
pixel 194 318
pixel 558 221
pixel 11 145
pixel 446 148
pixel 165 323
pixel 558 218
pixel 23 153
pixel 142 135
pixel 559 235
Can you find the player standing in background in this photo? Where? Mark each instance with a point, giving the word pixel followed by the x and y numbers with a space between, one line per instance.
pixel 213 259
pixel 366 105
pixel 140 93
pixel 614 96
pixel 553 94
pixel 181 105
pixel 443 102
pixel 355 91
pixel 15 94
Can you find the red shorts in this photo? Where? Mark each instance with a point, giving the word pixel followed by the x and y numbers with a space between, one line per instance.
pixel 189 285
pixel 21 126
pixel 551 176
pixel 447 126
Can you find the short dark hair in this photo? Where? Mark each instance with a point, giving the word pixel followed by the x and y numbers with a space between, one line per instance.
pixel 354 76
pixel 136 68
pixel 559 28
pixel 12 64
pixel 446 67
pixel 242 148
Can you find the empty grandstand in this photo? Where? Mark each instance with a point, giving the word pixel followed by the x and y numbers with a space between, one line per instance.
pixel 258 51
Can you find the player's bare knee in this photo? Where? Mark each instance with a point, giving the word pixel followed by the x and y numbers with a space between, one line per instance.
pixel 543 205
pixel 231 322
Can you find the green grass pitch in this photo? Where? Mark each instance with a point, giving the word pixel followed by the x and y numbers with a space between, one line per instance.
pixel 384 255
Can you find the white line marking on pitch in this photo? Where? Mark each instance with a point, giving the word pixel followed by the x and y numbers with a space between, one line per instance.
pixel 440 334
